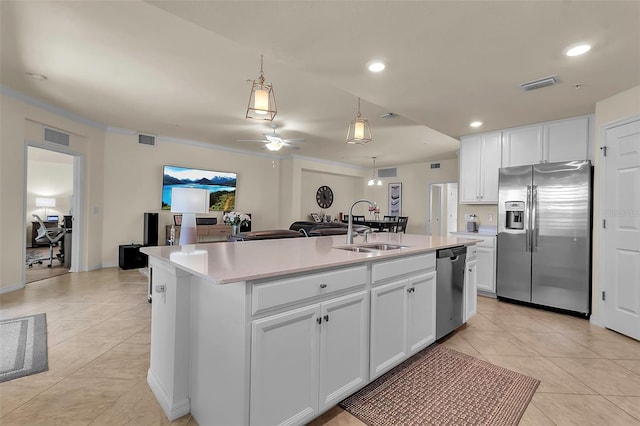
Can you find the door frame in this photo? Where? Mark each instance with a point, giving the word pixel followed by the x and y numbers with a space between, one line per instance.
pixel 602 164
pixel 443 207
pixel 76 205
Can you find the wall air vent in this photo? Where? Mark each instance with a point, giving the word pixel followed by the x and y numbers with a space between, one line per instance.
pixel 435 165
pixel 539 84
pixel 387 173
pixel 55 136
pixel 146 139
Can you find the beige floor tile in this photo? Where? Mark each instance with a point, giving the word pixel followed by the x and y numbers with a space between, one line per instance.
pixel 630 404
pixel 583 410
pixel 67 358
pixel 608 344
pixel 125 361
pixel 138 406
pixel 517 323
pixel 629 364
pixel 554 344
pixel 534 417
pixel 456 342
pixel 60 330
pixel 143 337
pixel 111 330
pixel 72 401
pixel 481 323
pixel 602 375
pixel 336 416
pixel 16 392
pixel 497 343
pixel 552 378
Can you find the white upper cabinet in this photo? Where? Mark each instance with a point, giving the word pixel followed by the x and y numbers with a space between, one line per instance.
pixel 550 142
pixel 479 165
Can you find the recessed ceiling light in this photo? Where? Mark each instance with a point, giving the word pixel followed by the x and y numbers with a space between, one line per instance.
pixel 475 124
pixel 35 76
pixel 578 50
pixel 376 66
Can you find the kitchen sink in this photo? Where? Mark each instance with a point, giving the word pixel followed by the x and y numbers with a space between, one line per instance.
pixel 356 249
pixel 383 246
pixel 371 247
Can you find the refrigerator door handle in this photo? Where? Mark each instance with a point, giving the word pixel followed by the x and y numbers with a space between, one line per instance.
pixel 534 219
pixel 527 221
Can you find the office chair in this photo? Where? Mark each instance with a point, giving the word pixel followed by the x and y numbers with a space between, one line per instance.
pixel 48 235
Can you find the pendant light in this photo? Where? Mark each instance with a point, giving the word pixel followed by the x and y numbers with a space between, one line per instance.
pixel 262 102
pixel 373 181
pixel 359 131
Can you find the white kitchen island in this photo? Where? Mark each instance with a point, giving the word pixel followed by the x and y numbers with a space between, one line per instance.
pixel 278 331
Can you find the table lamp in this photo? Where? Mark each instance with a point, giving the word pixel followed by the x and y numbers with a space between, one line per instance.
pixel 45 202
pixel 189 201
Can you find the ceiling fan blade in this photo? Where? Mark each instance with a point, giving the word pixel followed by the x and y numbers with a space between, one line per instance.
pixel 251 140
pixel 295 140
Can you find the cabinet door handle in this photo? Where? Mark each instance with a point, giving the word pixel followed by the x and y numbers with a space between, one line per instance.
pixel 326 318
pixel 323 286
pixel 470 270
pixel 319 320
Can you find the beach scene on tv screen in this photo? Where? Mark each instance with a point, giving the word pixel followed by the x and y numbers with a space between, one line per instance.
pixel 221 186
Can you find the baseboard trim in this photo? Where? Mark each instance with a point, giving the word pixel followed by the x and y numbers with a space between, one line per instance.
pixel 12 287
pixel 172 411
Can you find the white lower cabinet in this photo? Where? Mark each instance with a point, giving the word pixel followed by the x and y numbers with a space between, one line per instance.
pixel 470 287
pixel 307 359
pixel 486 278
pixel 403 320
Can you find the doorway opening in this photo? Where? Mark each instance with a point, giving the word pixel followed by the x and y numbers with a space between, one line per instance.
pixel 442 208
pixel 52 180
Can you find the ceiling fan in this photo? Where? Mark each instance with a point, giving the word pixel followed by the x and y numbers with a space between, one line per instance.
pixel 273 141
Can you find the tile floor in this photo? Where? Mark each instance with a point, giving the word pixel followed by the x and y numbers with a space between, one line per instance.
pixel 98 337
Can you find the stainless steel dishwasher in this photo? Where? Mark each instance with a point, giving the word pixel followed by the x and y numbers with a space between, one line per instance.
pixel 449 289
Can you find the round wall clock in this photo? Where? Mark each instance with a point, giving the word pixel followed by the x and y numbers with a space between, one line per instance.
pixel 324 197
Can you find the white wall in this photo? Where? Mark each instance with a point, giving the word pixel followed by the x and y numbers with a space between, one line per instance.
pixel 345 190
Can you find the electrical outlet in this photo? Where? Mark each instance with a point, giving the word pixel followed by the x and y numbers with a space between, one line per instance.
pixel 490 217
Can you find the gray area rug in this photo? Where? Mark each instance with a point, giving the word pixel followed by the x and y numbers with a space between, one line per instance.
pixel 23 346
pixel 440 386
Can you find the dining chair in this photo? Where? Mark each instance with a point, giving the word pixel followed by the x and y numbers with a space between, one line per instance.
pixel 402 224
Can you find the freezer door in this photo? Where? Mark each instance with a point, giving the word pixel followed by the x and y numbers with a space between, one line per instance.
pixel 513 278
pixel 561 237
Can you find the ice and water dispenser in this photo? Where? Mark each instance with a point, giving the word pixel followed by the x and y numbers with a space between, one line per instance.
pixel 515 214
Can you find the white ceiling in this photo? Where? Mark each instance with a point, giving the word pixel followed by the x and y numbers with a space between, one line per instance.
pixel 179 68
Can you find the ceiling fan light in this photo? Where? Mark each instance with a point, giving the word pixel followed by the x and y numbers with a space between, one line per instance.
pixel 274 146
pixel 262 101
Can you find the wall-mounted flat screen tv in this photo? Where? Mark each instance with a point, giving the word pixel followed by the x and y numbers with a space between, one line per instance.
pixel 221 186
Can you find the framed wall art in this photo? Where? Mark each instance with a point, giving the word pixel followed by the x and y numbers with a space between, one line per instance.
pixel 395 199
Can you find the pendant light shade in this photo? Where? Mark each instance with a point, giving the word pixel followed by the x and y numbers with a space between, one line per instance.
pixel 373 180
pixel 359 131
pixel 262 101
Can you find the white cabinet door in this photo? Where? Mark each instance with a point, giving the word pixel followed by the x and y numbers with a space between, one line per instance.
pixel 522 146
pixel 344 347
pixel 480 161
pixel 388 326
pixel 486 269
pixel 422 315
pixel 470 289
pixel 470 147
pixel 284 367
pixel 490 167
pixel 567 140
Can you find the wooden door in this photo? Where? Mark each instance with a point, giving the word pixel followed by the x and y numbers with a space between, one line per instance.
pixel 621 235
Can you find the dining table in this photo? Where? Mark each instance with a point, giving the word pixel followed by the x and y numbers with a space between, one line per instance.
pixel 380 225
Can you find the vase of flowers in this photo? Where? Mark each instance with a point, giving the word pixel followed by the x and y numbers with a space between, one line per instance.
pixel 235 219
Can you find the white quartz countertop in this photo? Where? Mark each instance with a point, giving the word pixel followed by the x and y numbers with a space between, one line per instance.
pixel 250 260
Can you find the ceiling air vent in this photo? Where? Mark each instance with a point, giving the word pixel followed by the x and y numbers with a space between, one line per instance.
pixel 55 136
pixel 539 84
pixel 146 139
pixel 386 173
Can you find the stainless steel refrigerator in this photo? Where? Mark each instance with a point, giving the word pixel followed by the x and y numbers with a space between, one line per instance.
pixel 544 235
